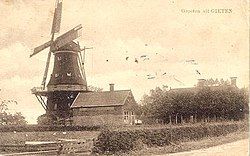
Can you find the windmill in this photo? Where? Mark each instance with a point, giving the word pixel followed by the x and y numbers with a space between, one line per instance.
pixel 68 76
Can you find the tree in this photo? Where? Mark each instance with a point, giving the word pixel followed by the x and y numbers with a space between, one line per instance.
pixel 224 102
pixel 211 82
pixel 222 82
pixel 7 118
pixel 206 83
pixel 156 105
pixel 217 82
pixel 45 120
pixel 227 82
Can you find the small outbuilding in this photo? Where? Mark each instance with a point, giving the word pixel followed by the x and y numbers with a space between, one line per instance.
pixel 104 108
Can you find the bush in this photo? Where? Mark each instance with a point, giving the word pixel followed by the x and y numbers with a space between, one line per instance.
pixel 111 142
pixel 40 128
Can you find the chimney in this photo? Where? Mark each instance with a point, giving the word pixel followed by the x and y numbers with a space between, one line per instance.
pixel 201 82
pixel 233 81
pixel 112 87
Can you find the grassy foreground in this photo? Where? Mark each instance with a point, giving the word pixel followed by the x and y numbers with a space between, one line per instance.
pixel 143 140
pixel 7 138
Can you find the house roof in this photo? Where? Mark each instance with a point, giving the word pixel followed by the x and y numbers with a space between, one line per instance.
pixel 196 89
pixel 183 89
pixel 101 99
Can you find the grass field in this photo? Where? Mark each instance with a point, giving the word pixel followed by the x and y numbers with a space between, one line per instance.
pixel 7 138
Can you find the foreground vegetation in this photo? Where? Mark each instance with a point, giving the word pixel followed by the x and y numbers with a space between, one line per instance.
pixel 134 140
pixel 44 128
pixel 117 141
pixel 18 138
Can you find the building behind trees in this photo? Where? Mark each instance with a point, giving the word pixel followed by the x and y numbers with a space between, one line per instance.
pixel 210 100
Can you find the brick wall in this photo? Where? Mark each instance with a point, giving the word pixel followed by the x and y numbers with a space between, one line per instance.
pixel 92 111
pixel 107 119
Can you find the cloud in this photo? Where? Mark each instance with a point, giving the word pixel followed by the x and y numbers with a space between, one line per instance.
pixel 15 61
pixel 24 21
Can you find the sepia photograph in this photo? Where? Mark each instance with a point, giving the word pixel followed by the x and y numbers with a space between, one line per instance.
pixel 124 77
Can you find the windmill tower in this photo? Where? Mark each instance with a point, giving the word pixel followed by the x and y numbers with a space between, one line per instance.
pixel 68 76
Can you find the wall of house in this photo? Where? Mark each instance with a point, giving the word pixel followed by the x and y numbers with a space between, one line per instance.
pixel 107 119
pixel 97 115
pixel 130 104
pixel 129 110
pixel 93 111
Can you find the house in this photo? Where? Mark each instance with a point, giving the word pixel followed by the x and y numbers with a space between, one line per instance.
pixel 114 107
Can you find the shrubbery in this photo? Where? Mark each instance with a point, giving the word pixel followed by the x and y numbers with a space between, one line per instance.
pixel 110 142
pixel 40 128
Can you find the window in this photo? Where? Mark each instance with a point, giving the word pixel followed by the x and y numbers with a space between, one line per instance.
pixel 55 106
pixel 68 74
pixel 59 58
pixel 132 118
pixel 126 115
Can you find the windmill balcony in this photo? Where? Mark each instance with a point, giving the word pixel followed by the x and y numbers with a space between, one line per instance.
pixel 67 87
pixel 39 91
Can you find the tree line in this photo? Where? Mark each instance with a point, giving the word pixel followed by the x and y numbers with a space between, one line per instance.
pixel 195 104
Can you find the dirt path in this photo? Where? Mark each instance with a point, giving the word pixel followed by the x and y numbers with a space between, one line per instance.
pixel 238 148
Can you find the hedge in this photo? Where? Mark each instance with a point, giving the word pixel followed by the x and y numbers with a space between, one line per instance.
pixel 110 142
pixel 40 128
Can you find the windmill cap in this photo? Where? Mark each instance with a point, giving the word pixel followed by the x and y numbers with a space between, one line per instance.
pixel 71 46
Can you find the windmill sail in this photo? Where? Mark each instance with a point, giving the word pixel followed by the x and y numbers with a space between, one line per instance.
pixel 46 70
pixel 55 29
pixel 67 37
pixel 57 18
pixel 40 48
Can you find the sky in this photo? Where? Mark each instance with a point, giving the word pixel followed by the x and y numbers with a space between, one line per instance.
pixel 117 29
